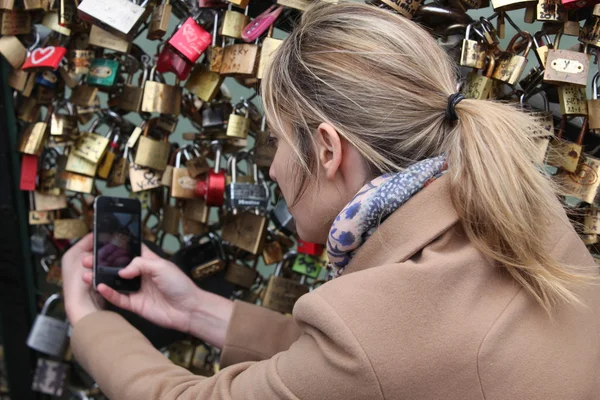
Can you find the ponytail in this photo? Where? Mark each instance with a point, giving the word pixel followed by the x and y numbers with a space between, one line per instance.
pixel 506 202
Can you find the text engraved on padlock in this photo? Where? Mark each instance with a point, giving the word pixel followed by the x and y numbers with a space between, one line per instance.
pixel 248 195
pixel 583 183
pixel 142 178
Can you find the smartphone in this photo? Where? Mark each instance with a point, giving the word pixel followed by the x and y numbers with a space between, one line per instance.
pixel 117 241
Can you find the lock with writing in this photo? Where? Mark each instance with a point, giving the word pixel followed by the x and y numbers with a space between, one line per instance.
pixel 583 182
pixel 152 153
pixel 510 65
pixel 472 53
pixel 566 66
pixel 593 105
pixel 205 258
pixel 103 72
pixel 48 335
pixel 479 86
pixel 563 153
pixel 239 59
pixel 306 265
pixel 118 17
pixel 238 125
pixel 551 10
pixel 573 100
pixel 183 49
pixel 213 188
pixel 204 83
pixel 104 39
pixel 183 185
pixel 282 293
pixel 79 165
pixel 267 49
pixel 234 22
pixel 15 22
pixel 159 22
pixel 239 274
pixel 247 196
pixel 91 145
pixel 160 97
pixel 142 178
pixel 245 230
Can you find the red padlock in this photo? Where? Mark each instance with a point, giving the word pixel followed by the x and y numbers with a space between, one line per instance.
pixel 183 49
pixel 29 171
pixel 44 58
pixel 213 188
pixel 312 249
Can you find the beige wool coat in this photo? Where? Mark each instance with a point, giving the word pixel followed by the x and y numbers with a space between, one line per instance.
pixel 418 314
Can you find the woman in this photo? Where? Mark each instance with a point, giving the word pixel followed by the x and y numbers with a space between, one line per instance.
pixel 459 275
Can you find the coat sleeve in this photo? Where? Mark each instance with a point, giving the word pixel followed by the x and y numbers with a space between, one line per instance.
pixel 326 362
pixel 256 333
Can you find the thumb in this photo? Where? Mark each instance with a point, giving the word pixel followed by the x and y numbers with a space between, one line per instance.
pixel 139 266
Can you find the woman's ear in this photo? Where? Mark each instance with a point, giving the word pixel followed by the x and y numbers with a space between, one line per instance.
pixel 329 149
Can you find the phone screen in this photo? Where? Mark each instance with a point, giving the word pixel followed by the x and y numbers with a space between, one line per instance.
pixel 117 241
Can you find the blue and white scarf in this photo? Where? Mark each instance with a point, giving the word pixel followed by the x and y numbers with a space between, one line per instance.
pixel 373 203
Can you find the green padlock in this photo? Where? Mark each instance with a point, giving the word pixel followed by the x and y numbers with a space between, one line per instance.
pixel 103 72
pixel 307 266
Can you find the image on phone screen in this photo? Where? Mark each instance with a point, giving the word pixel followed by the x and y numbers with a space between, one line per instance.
pixel 117 241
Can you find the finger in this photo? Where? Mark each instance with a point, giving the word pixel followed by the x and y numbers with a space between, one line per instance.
pixel 88 261
pixel 149 254
pixel 87 277
pixel 118 299
pixel 141 266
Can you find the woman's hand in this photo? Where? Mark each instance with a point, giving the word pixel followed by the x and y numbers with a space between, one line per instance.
pixel 80 298
pixel 167 296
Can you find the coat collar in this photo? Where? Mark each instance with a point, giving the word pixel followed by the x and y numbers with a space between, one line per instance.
pixel 414 225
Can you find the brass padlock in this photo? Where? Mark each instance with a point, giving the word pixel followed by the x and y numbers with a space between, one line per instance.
pixel 51 20
pixel 64 124
pixel 239 59
pixel 101 38
pixel 566 66
pixel 591 221
pixel 84 95
pixel 264 152
pixel 214 53
pixel 479 86
pixel 234 22
pixel 204 83
pixel 21 81
pixel 131 96
pixel 565 154
pixel 161 98
pixel 590 34
pixel 267 49
pixel 159 22
pixel 571 28
pixel 142 178
pixel 583 182
pixel 90 145
pixel 80 165
pixel 15 22
pixel 170 219
pixel 246 231
pixel 13 51
pixel 240 275
pixel 30 110
pixel 472 54
pixel 541 48
pixel 593 105
pixel 195 162
pixel 120 171
pixel 75 182
pixel 551 10
pixel 510 65
pixel 272 252
pixel 282 293
pixel 150 152
pixel 573 100
pixel 196 210
pixel 238 126
pixel 70 228
pixel 106 163
pixel 183 185
pixel 34 136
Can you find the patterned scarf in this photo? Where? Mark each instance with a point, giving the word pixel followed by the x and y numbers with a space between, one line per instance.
pixel 373 203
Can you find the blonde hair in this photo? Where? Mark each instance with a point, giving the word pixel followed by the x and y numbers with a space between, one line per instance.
pixel 383 82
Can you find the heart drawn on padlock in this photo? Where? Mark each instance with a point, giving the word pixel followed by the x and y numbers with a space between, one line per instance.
pixel 42 54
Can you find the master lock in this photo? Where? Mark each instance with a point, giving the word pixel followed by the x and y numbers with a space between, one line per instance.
pixel 48 335
pixel 246 196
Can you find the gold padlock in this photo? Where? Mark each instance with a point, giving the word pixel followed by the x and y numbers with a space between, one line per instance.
pixel 13 51
pixel 240 275
pixel 584 181
pixel 70 228
pixel 234 23
pixel 238 126
pixel 183 185
pixel 573 100
pixel 246 231
pixel 551 10
pixel 80 165
pixel 159 22
pixel 593 105
pixel 215 54
pixel 106 163
pixel 510 64
pixel 15 22
pixel 91 146
pixel 34 136
pixel 239 59
pixel 196 210
pixel 161 98
pixel 142 178
pixel 150 152
pixel 282 293
pixel 84 95
pixel 479 86
pixel 101 38
pixel 268 48
pixel 204 83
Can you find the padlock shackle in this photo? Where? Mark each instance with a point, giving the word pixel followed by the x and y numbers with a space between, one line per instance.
pixel 49 301
pixel 583 131
pixel 595 85
pixel 491 66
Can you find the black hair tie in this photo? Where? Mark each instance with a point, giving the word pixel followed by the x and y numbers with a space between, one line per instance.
pixel 453 100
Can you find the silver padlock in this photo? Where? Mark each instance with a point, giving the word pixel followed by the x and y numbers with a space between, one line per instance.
pixel 282 218
pixel 48 335
pixel 39 243
pixel 247 196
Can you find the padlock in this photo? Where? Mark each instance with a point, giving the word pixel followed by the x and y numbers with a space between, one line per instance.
pixel 213 188
pixel 510 65
pixel 565 154
pixel 591 221
pixel 48 335
pixel 182 50
pixel 272 252
pixel 171 218
pixel 119 17
pixel 264 152
pixel 15 22
pixel 131 96
pixel 150 152
pixel 195 162
pixel 7 4
pixel 282 293
pixel 21 81
pixel 75 182
pixel 252 196
pixel 566 66
pixel 161 98
pixel 50 377
pixel 159 22
pixel 103 72
pixel 90 145
pixel 83 96
pixel 261 24
pixel 234 22
pixel 246 231
pixel 167 176
pixel 102 38
pixel 45 202
pixel 590 33
pixel 182 186
pixel 67 10
pixel 120 171
pixel 541 47
pixel 306 265
pixel 312 249
pixel 142 178
pixel 406 8
pixel 282 218
pixel 29 111
pixel 204 83
pixel 551 10
pixel 80 165
pixel 196 210
pixel 51 20
pixel 593 105
pixel 479 86
pixel 583 182
pixel 214 54
pixel 238 125
pixel 48 172
pixel 573 100
pixel 508 5
pixel 44 58
pixel 64 124
pixel 106 163
pixel 240 275
pixel 13 51
pixel 70 228
pixel 215 115
pixel 34 136
pixel 80 60
pixel 239 59
pixel 29 172
pixel 472 54
pixel 267 49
